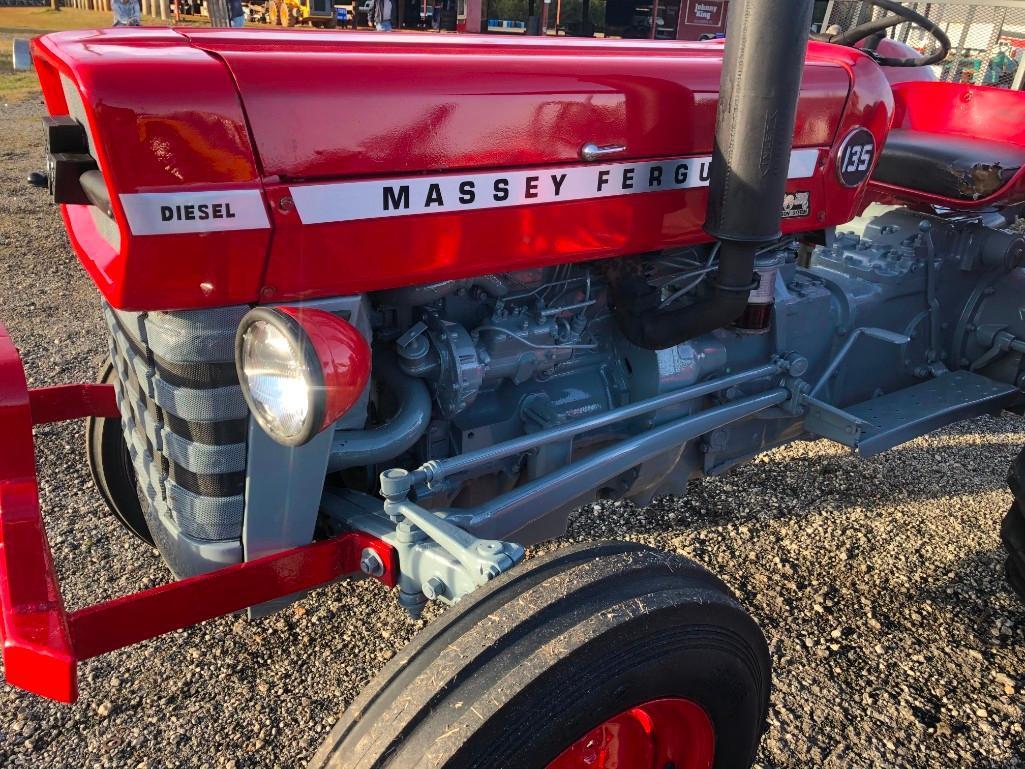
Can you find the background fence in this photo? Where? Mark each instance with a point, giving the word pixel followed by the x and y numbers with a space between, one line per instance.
pixel 987 38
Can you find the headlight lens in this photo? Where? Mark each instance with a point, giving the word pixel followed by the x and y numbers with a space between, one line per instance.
pixel 300 369
pixel 277 381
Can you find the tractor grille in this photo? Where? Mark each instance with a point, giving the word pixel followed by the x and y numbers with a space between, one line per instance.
pixel 184 417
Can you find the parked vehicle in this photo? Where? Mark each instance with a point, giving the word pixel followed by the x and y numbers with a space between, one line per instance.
pixel 397 308
pixel 289 13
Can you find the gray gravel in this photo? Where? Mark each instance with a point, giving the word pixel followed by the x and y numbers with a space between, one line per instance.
pixel 879 584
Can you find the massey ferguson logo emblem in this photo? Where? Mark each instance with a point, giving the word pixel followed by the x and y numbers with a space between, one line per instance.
pixel 380 198
pixel 548 186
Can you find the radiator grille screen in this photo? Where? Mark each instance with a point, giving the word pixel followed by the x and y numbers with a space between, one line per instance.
pixel 183 416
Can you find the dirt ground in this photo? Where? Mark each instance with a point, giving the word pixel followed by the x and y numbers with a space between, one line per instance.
pixel 879 585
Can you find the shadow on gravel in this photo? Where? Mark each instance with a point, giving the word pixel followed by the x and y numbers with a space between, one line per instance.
pixel 975 591
pixel 903 475
pixel 782 488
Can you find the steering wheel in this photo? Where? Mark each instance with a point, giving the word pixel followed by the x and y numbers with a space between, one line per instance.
pixel 875 29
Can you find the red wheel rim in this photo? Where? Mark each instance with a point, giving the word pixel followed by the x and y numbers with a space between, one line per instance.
pixel 661 734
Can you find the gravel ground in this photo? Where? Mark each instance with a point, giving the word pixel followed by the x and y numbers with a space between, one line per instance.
pixel 878 584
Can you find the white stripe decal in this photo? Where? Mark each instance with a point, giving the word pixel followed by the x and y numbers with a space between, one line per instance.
pixel 406 196
pixel 165 213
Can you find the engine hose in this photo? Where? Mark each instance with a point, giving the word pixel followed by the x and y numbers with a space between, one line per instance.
pixel 361 448
pixel 635 302
pixel 754 129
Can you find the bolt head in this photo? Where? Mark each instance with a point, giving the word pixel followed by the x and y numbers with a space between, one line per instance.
pixel 370 563
pixel 433 588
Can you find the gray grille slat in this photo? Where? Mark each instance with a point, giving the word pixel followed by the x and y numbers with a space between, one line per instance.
pixel 199 458
pixel 194 338
pixel 200 405
pixel 207 517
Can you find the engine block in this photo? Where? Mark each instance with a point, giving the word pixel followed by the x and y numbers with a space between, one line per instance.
pixel 513 354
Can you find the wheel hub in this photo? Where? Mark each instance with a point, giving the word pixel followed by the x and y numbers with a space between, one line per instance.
pixel 671 733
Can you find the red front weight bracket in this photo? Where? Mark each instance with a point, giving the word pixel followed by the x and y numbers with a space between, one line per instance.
pixel 43 643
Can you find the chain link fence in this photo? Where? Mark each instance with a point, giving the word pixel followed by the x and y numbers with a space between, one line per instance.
pixel 987 38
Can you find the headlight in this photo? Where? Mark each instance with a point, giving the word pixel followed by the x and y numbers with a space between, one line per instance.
pixel 300 370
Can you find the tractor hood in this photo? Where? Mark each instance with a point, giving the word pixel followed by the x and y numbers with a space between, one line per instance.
pixel 247 166
pixel 325 106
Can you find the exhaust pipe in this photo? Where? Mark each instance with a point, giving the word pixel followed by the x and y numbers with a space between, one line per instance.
pixel 766 42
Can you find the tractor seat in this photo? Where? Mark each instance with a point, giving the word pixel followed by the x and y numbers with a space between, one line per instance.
pixel 955 167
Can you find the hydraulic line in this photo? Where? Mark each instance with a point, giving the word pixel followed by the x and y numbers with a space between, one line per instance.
pixel 502 517
pixel 438 470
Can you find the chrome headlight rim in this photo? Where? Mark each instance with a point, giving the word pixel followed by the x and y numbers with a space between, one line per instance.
pixel 305 355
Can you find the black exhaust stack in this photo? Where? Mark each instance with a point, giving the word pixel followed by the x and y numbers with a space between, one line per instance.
pixel 766 41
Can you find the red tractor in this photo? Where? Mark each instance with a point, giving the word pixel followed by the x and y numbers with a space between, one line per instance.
pixel 402 327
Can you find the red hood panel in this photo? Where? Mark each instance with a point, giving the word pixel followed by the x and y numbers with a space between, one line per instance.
pixel 266 166
pixel 161 116
pixel 360 104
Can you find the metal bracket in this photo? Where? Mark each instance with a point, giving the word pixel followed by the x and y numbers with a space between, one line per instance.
pixel 477 561
pixel 882 334
pixel 483 559
pixel 1000 343
pixel 830 422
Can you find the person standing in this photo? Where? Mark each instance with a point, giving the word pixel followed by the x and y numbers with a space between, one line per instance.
pixel 236 14
pixel 381 15
pixel 126 13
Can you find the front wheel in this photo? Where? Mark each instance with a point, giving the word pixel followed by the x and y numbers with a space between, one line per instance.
pixel 604 655
pixel 110 465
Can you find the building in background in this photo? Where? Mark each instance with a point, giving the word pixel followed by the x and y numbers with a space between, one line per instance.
pixel 987 37
pixel 635 19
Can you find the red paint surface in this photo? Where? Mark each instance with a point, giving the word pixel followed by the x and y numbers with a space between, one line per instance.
pixel 130 619
pixel 62 402
pixel 308 261
pixel 37 649
pixel 153 133
pixel 895 49
pixel 42 643
pixel 343 105
pixel 344 357
pixel 988 114
pixel 666 732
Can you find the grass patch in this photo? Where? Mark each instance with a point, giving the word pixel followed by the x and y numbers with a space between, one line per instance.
pixel 33 21
pixel 15 86
pixel 30 22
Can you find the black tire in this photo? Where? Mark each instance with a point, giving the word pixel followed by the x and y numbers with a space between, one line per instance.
pixel 515 674
pixel 1012 530
pixel 111 468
